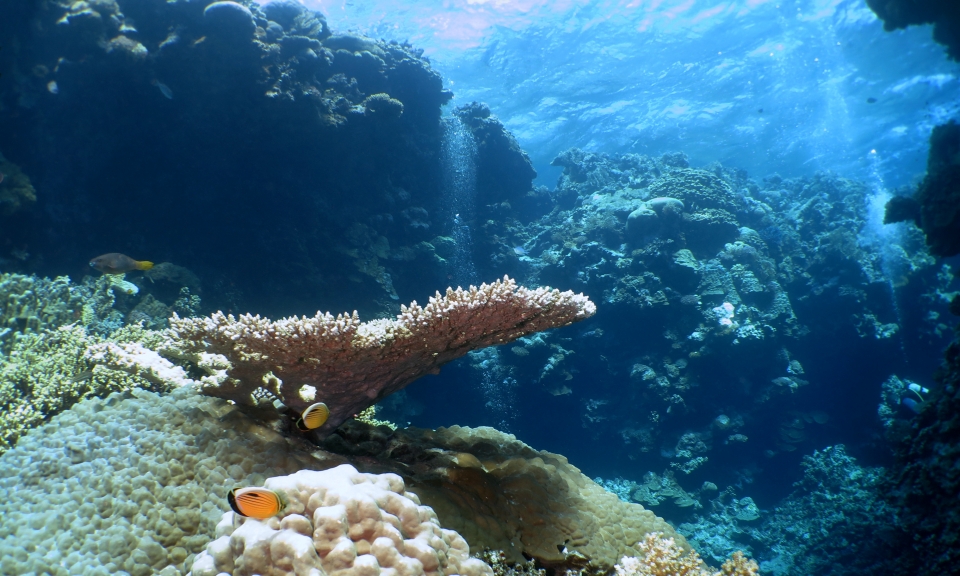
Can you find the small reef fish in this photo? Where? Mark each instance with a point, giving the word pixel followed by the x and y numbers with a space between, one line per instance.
pixel 313 417
pixel 164 89
pixel 116 263
pixel 257 503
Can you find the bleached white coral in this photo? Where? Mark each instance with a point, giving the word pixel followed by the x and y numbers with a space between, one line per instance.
pixel 134 359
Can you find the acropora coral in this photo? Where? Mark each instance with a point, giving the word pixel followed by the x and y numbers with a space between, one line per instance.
pixel 350 365
pixel 46 372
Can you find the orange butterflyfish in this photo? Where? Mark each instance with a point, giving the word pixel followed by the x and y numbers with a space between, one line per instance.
pixel 116 263
pixel 313 417
pixel 257 503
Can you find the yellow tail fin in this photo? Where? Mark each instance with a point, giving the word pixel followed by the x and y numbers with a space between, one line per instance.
pixel 144 265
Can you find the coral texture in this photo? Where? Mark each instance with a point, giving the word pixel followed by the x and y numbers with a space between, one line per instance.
pixel 131 484
pixel 343 523
pixel 47 372
pixel 16 191
pixel 938 193
pixel 501 494
pixel 934 208
pixel 350 365
pixel 504 171
pixel 29 304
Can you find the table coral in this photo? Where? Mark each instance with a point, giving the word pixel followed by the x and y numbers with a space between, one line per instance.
pixel 350 365
pixel 340 522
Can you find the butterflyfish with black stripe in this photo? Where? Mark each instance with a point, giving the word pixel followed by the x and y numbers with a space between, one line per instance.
pixel 313 417
pixel 257 503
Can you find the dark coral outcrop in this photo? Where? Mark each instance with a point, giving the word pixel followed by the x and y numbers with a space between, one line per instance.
pixel 504 171
pixel 943 14
pixel 249 143
pixel 926 478
pixel 935 207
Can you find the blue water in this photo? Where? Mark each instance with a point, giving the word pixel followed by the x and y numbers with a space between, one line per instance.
pixel 762 342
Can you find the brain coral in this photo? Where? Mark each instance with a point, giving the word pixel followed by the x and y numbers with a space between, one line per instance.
pixel 343 523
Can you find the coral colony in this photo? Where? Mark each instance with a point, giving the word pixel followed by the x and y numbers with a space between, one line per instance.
pixel 725 355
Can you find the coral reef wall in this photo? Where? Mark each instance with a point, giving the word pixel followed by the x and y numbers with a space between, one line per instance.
pixel 925 474
pixel 250 144
pixel 739 320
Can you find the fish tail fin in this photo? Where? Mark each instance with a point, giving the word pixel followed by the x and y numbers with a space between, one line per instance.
pixel 144 265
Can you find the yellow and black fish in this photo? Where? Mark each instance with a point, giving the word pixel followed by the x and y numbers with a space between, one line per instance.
pixel 313 417
pixel 257 503
pixel 116 263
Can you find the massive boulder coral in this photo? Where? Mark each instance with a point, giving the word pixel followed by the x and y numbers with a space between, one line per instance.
pixel 340 522
pixel 350 365
pixel 501 494
pixel 131 484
